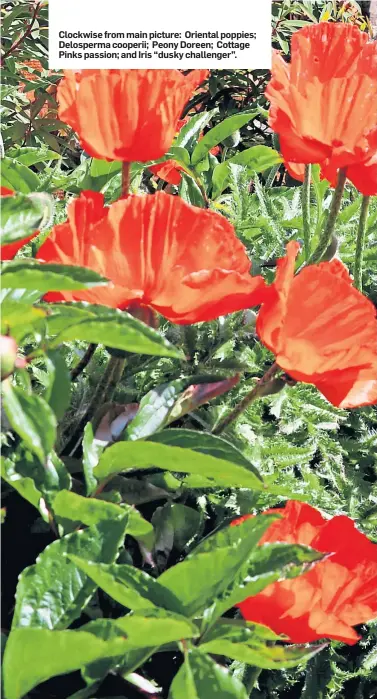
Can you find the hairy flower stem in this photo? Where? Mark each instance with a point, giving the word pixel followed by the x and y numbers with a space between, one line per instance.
pixel 126 179
pixel 84 361
pixel 325 239
pixel 358 272
pixel 306 210
pixel 257 392
pixel 96 402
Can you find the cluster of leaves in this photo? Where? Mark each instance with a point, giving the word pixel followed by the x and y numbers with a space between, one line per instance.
pixel 128 573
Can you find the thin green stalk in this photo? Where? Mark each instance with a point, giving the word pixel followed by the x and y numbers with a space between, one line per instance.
pixel 326 236
pixel 358 272
pixel 257 392
pixel 97 401
pixel 306 210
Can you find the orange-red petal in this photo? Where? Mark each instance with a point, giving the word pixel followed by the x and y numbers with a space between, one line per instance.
pixel 332 597
pixel 138 114
pixel 322 330
pixel 183 261
pixel 324 103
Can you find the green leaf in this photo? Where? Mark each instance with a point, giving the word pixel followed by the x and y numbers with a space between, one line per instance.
pixel 91 453
pixel 205 443
pixel 32 418
pixel 92 511
pixel 53 592
pixel 119 329
pixel 127 455
pixel 89 511
pixel 101 168
pixel 255 159
pixel 154 409
pixel 49 477
pixel 129 586
pixel 259 654
pixel 175 525
pixel 152 627
pixel 58 393
pixel 170 401
pixel 209 571
pixel 266 564
pixel 214 136
pixel 180 155
pixel 201 678
pixel 189 133
pixel 25 486
pixel 17 316
pixel 190 191
pixel 18 177
pixel 22 215
pixel 30 274
pixel 31 155
pixel 47 653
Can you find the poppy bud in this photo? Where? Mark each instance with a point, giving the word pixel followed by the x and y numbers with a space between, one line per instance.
pixel 233 140
pixel 8 356
pixel 272 387
pixel 249 318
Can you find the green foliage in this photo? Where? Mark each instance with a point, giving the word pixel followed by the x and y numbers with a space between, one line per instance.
pixel 129 570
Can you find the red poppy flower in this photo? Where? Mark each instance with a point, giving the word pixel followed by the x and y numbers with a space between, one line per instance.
pixel 170 170
pixel 158 251
pixel 324 103
pixel 138 110
pixel 328 600
pixel 322 330
pixel 9 250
